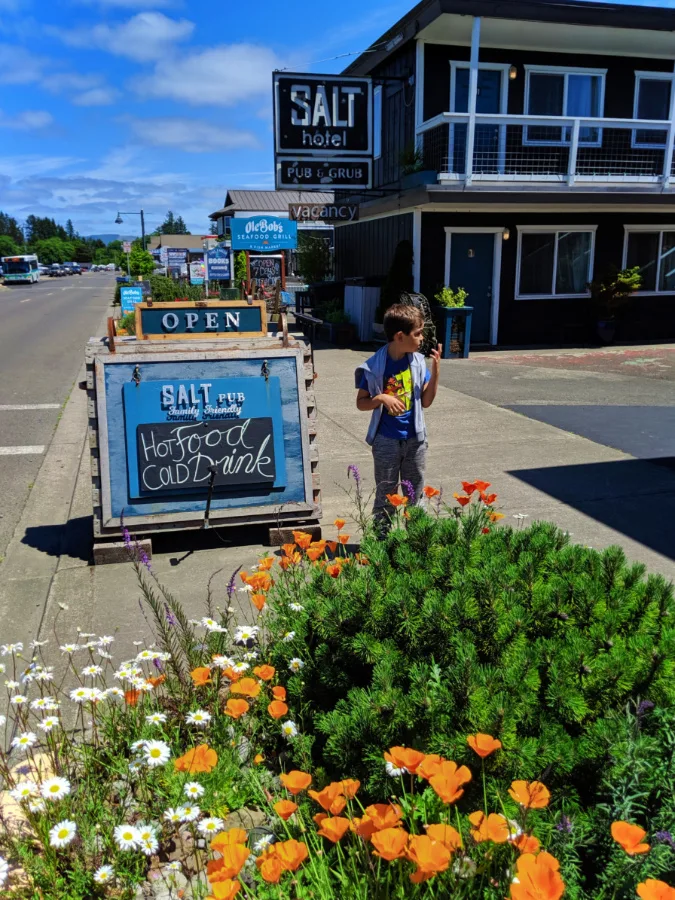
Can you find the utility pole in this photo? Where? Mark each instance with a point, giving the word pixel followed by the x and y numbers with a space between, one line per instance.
pixel 143 229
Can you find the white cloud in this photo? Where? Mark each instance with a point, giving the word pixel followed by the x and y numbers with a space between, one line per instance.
pixel 31 164
pixel 144 37
pixel 19 66
pixel 219 76
pixel 127 4
pixel 28 120
pixel 191 135
pixel 96 97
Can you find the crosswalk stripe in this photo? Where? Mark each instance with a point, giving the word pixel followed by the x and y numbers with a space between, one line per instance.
pixel 10 407
pixel 22 451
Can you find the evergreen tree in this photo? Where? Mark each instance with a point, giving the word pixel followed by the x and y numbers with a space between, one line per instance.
pixel 10 227
pixel 181 227
pixel 313 258
pixel 70 230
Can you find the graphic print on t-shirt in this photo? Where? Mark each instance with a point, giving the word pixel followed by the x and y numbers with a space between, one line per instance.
pixel 400 386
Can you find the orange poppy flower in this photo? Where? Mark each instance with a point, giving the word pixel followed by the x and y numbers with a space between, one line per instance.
pixel 231 675
pixel 446 835
pixel 200 676
pixel 247 687
pixel 318 545
pixel 259 601
pixel 350 787
pixel 279 692
pixel 493 828
pixel 291 854
pixel 339 524
pixel 461 499
pixel 331 798
pixel 332 546
pixel 288 549
pixel 429 856
pixel 225 838
pixel 295 781
pixel 483 744
pixel 258 758
pixel 430 492
pixel 430 766
pixel 448 783
pixel 530 794
pixel 526 843
pixel 266 563
pixel 334 570
pixel 481 485
pixel 319 817
pixel 630 837
pixel 364 827
pixel 538 878
pixel 244 576
pixel 495 517
pixel 389 843
pixel 224 890
pixel 233 857
pixel 488 499
pixel 157 680
pixel 302 539
pixel 199 759
pixel 285 809
pixel 384 815
pixel 277 709
pixel 651 889
pixel 397 500
pixel 404 758
pixel 236 708
pixel 344 539
pixel 260 581
pixel 131 697
pixel 334 828
pixel 469 487
pixel 313 553
pixel 265 673
pixel 270 868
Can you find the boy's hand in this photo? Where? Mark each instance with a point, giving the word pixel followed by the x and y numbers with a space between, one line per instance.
pixel 435 357
pixel 393 405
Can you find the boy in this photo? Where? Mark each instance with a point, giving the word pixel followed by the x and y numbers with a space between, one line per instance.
pixel 396 385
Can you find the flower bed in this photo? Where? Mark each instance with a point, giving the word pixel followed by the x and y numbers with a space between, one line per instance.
pixel 248 760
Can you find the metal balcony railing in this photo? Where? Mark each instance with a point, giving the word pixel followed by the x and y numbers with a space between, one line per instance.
pixel 502 148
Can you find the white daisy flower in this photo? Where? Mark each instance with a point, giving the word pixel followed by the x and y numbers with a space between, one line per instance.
pixel 11 685
pixel 295 664
pixel 49 723
pixel 289 729
pixel 86 634
pixel 92 670
pixel 42 703
pixel 211 624
pixel 263 843
pixel 245 633
pixel 24 791
pixel 189 813
pixel 241 667
pixel 37 805
pixel 210 826
pixel 55 788
pixel 137 643
pixel 104 654
pixel 25 740
pixel 222 662
pixel 149 842
pixel 156 718
pixel 156 753
pixel 62 833
pixel 91 645
pixel 251 655
pixel 80 695
pixel 6 649
pixel 4 871
pixel 18 700
pixel 198 717
pixel 106 640
pixel 193 789
pixel 296 607
pixel 146 655
pixel 138 745
pixel 135 768
pixel 246 589
pixel 127 837
pixel 114 692
pixel 70 648
pixel 174 866
pixel 173 815
pixel 288 637
pixel 104 874
pixel 393 771
pixel 44 675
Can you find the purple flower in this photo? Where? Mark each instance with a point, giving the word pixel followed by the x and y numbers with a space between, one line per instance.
pixel 665 837
pixel 170 618
pixel 354 470
pixel 565 824
pixel 644 707
pixel 409 490
pixel 126 537
pixel 231 583
pixel 157 663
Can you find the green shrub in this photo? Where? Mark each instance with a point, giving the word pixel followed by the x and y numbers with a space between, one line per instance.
pixel 129 322
pixel 449 631
pixel 451 299
pixel 166 290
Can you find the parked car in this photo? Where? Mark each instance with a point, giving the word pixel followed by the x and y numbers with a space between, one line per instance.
pixel 44 270
pixel 56 270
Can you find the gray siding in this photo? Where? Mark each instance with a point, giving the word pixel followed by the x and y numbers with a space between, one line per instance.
pixel 366 249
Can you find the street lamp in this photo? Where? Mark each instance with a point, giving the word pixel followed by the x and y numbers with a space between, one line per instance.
pixel 119 220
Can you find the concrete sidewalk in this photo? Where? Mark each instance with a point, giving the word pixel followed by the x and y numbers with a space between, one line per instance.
pixel 538 471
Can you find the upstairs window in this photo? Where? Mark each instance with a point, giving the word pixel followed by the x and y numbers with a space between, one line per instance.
pixel 652 101
pixel 553 91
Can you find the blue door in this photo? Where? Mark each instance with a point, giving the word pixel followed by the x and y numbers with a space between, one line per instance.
pixel 472 268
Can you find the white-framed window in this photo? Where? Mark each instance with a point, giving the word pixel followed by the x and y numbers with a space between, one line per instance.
pixel 653 98
pixel 377 122
pixel 652 248
pixel 561 91
pixel 554 261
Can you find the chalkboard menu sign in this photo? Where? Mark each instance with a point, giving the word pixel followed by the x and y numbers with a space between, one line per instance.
pixel 266 268
pixel 238 452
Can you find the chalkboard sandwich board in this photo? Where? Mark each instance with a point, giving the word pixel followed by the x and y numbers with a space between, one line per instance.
pixel 203 319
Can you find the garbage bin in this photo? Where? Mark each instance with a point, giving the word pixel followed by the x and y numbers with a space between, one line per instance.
pixel 455 328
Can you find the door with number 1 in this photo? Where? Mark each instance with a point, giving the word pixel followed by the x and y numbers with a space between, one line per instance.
pixel 471 266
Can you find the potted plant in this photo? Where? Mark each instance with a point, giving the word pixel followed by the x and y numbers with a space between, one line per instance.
pixel 454 320
pixel 337 326
pixel 609 295
pixel 413 172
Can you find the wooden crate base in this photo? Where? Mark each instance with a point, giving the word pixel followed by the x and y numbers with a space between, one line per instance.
pixel 280 536
pixel 107 552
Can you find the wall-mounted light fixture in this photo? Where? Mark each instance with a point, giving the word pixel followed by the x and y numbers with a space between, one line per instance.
pixel 506 234
pixel 472 253
pixel 513 73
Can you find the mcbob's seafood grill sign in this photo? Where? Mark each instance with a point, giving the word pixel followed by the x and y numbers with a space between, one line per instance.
pixel 323 129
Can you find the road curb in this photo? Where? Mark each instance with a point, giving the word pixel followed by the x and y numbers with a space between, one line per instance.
pixel 38 542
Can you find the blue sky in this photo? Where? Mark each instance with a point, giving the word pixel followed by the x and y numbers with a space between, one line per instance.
pixel 123 104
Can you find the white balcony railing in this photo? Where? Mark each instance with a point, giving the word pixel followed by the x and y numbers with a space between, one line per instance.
pixel 563 149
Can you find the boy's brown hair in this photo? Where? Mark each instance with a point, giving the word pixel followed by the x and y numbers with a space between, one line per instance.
pixel 401 318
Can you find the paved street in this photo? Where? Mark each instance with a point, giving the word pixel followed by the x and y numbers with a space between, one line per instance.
pixel 43 330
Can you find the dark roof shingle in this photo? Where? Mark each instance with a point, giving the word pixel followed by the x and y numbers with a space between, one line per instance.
pixel 268 201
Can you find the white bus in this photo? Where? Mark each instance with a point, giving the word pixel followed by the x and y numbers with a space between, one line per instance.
pixel 20 268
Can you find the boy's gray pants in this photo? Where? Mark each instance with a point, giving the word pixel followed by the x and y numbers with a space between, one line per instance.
pixel 396 461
